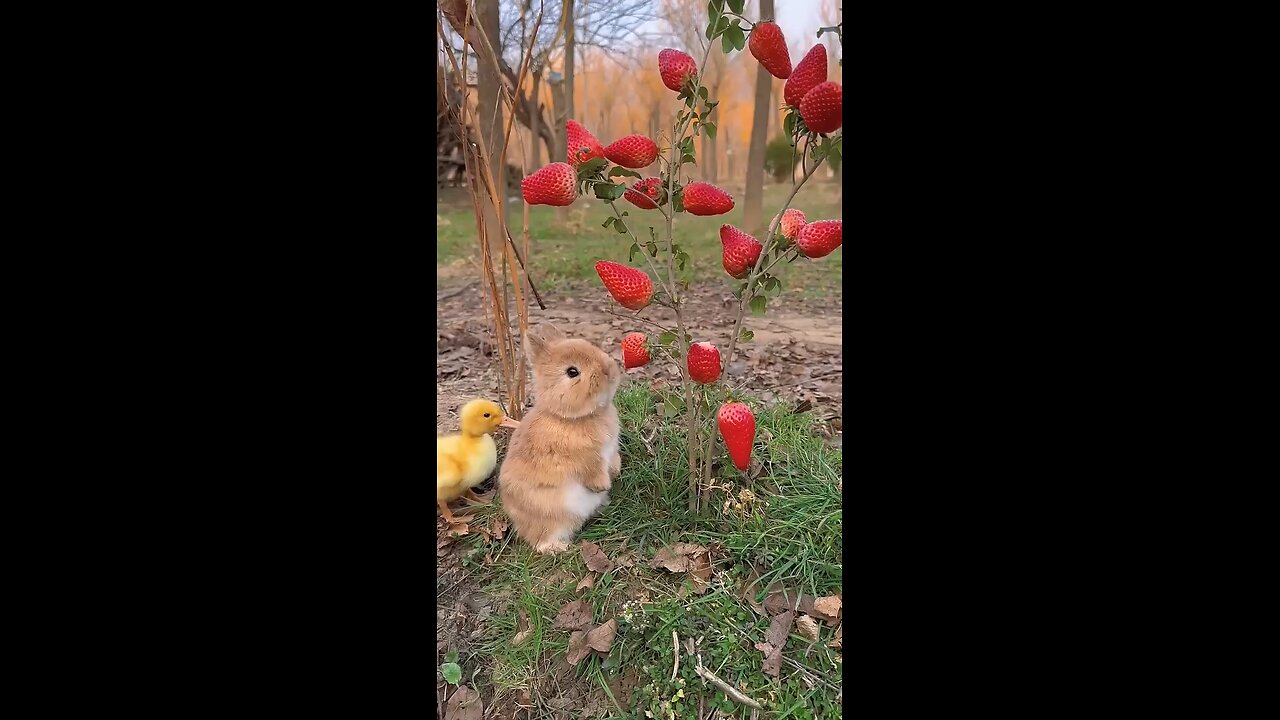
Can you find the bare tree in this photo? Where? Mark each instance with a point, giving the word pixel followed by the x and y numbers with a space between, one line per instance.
pixel 753 205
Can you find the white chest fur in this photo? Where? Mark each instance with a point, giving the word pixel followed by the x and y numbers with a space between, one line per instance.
pixel 581 501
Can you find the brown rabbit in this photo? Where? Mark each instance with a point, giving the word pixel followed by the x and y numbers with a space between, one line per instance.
pixel 562 459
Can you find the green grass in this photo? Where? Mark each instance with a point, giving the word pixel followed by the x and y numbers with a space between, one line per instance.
pixel 791 534
pixel 563 255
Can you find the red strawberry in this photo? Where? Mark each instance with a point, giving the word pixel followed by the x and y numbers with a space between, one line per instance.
pixel 810 71
pixel 583 146
pixel 741 251
pixel 634 351
pixel 738 428
pixel 645 193
pixel 769 47
pixel 676 68
pixel 704 362
pixel 822 108
pixel 706 199
pixel 792 221
pixel 632 151
pixel 632 288
pixel 555 184
pixel 820 239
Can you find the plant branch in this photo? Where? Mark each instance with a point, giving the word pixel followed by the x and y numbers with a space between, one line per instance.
pixel 652 266
pixel 646 321
pixel 752 280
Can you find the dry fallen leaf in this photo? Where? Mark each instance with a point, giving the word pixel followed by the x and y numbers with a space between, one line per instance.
pixel 602 637
pixel 523 630
pixel 772 659
pixel 464 704
pixel 459 529
pixel 779 629
pixel 594 557
pixel 807 627
pixel 498 528
pixel 836 643
pixel 676 558
pixel 574 616
pixel 827 608
pixel 588 581
pixel 578 647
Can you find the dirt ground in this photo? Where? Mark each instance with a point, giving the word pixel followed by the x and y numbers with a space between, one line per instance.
pixel 795 358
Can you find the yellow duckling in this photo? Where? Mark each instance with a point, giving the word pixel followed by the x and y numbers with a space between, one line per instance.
pixel 466 459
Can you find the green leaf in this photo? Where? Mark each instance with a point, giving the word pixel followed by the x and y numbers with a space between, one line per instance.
pixel 746 336
pixel 608 221
pixel 609 191
pixel 621 227
pixel 666 338
pixel 702 93
pixel 652 247
pixel 452 673
pixel 737 5
pixel 726 43
pixel 670 410
pixel 736 34
pixel 678 203
pixel 451 656
pixel 711 105
pixel 589 168
pixel 631 256
pixel 710 128
pixel 757 305
pixel 653 236
pixel 618 170
pixel 682 257
pixel 789 125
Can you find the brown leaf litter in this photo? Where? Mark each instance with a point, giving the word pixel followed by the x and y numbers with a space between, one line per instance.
pixel 808 627
pixel 464 704
pixel 600 639
pixel 775 638
pixel 687 558
pixel 574 615
pixel 523 628
pixel 588 581
pixel 595 558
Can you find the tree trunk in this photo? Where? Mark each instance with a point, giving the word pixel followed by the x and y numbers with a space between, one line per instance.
pixel 754 203
pixel 570 50
pixel 560 152
pixel 535 122
pixel 489 80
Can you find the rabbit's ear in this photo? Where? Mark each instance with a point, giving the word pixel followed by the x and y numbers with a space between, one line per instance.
pixel 541 338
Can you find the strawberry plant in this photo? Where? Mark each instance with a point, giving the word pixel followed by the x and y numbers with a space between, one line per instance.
pixel 711 408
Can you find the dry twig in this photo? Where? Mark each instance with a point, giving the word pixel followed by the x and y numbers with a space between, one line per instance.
pixel 728 689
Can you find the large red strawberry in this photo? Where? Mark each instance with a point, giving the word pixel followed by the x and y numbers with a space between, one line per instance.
pixel 811 70
pixel 822 108
pixel 676 68
pixel 555 184
pixel 644 193
pixel 792 221
pixel 704 362
pixel 583 146
pixel 632 151
pixel 741 251
pixel 819 239
pixel 769 47
pixel 738 428
pixel 634 351
pixel 706 199
pixel 632 288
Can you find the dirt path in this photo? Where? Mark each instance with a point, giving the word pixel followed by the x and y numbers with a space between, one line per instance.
pixel 795 357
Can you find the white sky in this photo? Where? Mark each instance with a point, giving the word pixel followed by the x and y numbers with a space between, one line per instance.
pixel 799 19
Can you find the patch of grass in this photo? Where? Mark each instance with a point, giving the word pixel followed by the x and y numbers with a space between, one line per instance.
pixel 790 532
pixel 566 255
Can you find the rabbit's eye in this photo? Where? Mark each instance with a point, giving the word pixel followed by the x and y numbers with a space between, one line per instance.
pixel 572 372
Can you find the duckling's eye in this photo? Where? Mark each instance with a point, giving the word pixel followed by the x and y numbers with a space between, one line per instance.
pixel 487 414
pixel 572 372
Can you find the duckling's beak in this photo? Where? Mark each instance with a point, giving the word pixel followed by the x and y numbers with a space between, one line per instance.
pixel 509 423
